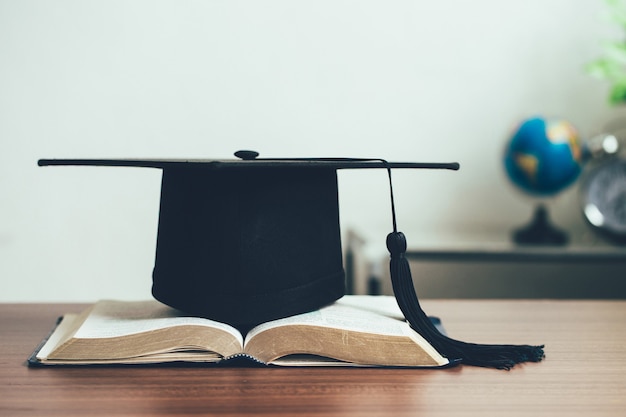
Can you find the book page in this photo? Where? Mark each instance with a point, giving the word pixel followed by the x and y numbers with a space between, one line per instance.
pixel 349 313
pixel 363 331
pixel 385 305
pixel 121 318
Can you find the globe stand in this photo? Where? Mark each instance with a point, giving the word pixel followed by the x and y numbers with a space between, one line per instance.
pixel 540 231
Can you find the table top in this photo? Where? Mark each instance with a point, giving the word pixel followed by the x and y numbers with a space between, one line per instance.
pixel 584 372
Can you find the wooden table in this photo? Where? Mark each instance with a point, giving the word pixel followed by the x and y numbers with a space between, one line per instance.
pixel 584 373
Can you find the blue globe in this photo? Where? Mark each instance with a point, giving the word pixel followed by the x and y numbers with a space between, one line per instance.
pixel 543 156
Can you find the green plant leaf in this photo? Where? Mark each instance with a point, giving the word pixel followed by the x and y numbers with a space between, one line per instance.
pixel 612 66
pixel 616 51
pixel 618 94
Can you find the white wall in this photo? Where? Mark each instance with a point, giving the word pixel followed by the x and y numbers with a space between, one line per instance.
pixel 403 80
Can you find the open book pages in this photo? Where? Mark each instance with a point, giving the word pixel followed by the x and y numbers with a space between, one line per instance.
pixel 368 330
pixel 355 331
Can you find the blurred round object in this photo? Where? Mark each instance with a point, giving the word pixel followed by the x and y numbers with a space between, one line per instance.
pixel 603 193
pixel 544 156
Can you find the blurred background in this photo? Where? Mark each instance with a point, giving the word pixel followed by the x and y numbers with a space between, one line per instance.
pixel 402 80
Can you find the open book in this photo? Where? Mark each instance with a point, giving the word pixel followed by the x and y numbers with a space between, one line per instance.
pixel 354 331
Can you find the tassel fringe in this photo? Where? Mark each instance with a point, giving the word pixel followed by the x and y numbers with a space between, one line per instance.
pixel 490 356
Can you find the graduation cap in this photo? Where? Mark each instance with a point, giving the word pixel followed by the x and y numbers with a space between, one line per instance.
pixel 249 240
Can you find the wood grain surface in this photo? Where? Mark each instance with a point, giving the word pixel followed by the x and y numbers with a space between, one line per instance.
pixel 584 373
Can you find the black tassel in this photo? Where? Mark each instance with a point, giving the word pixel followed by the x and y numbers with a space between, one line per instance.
pixel 491 356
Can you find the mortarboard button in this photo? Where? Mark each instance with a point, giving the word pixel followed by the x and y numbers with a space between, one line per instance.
pixel 246 155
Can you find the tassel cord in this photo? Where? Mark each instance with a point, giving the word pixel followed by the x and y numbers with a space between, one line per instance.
pixel 494 356
pixel 484 355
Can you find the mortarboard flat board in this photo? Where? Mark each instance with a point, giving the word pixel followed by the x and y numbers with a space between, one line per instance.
pixel 249 240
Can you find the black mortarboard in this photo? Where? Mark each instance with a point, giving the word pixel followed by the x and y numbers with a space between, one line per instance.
pixel 251 240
